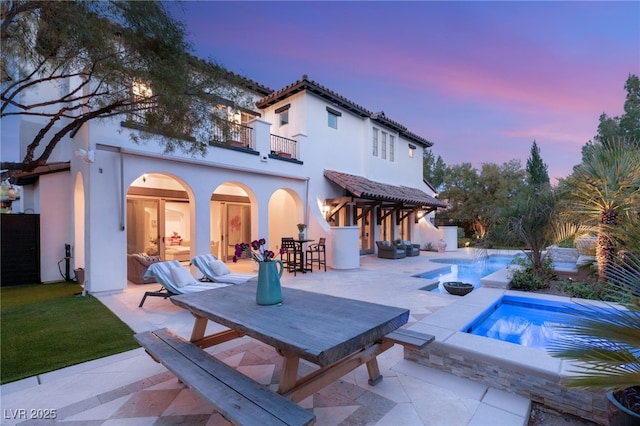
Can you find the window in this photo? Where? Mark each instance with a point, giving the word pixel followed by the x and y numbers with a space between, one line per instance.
pixel 284 118
pixel 229 124
pixel 141 90
pixel 283 114
pixel 412 149
pixel 375 142
pixel 332 120
pixel 332 117
pixel 143 95
pixel 392 148
pixel 383 146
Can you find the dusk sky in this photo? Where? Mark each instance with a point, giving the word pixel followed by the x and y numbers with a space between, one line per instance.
pixel 482 80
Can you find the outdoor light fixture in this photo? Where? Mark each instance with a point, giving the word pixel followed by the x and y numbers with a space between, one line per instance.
pixel 325 210
pixel 144 178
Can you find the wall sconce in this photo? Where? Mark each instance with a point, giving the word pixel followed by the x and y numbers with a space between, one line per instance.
pixel 12 193
pixel 325 210
pixel 144 178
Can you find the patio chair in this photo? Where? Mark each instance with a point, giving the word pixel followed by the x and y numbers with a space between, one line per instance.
pixel 411 249
pixel 316 253
pixel 388 250
pixel 216 271
pixel 291 258
pixel 175 279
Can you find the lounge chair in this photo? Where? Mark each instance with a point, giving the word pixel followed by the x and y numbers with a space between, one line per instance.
pixel 175 279
pixel 216 271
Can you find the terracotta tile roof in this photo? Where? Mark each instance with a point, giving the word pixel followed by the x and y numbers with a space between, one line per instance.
pixel 311 86
pixel 323 92
pixel 362 187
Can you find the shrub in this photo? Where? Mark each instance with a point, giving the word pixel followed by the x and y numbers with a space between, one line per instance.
pixel 592 291
pixel 526 278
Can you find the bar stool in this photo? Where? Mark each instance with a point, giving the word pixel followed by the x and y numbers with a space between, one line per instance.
pixel 318 254
pixel 291 255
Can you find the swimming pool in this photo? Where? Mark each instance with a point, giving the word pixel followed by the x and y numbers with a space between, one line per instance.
pixel 467 270
pixel 522 320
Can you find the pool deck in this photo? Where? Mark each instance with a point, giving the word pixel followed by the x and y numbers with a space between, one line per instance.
pixel 131 389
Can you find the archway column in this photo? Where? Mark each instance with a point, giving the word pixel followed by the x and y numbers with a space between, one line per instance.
pixel 260 217
pixel 200 221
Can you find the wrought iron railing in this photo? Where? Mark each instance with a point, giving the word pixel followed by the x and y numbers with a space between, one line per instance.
pixel 233 134
pixel 284 147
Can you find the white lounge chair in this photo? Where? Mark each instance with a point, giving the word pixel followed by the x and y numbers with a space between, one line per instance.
pixel 216 271
pixel 175 279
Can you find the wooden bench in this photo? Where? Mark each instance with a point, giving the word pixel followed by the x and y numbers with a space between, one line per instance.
pixel 409 338
pixel 237 397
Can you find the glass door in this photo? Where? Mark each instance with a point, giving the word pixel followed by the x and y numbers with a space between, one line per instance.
pixel 365 223
pixel 143 226
pixel 238 228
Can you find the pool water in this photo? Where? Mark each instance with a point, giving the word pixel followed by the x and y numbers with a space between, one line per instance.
pixel 468 270
pixel 523 321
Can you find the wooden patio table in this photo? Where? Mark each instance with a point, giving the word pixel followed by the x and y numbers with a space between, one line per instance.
pixel 335 333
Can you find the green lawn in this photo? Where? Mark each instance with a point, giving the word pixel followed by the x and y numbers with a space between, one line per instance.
pixel 45 327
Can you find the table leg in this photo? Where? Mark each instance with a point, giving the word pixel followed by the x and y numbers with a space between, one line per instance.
pixel 298 389
pixel 289 373
pixel 374 372
pixel 199 328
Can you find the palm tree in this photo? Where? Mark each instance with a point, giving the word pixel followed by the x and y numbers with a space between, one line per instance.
pixel 605 186
pixel 531 221
pixel 606 339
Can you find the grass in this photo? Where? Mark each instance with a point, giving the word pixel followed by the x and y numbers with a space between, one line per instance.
pixel 45 327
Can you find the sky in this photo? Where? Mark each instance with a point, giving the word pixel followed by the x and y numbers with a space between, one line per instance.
pixel 481 80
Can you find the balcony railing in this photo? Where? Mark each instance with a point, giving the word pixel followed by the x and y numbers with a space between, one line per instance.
pixel 235 135
pixel 283 147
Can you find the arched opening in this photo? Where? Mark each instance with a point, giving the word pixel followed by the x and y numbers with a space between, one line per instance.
pixel 285 212
pixel 234 214
pixel 159 217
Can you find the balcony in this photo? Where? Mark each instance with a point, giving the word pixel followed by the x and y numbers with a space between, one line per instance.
pixel 234 136
pixel 284 148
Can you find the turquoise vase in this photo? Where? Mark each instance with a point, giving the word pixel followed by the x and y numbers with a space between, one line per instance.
pixel 269 290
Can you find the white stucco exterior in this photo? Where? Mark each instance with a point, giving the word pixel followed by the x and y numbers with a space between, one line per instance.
pixel 88 205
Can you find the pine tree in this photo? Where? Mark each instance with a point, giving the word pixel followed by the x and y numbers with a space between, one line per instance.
pixel 537 175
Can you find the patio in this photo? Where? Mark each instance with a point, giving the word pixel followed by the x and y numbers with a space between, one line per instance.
pixel 130 388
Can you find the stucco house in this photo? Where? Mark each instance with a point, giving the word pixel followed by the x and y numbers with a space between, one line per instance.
pixel 304 154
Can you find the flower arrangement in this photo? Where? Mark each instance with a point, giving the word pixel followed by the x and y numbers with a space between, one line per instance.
pixel 256 250
pixel 301 227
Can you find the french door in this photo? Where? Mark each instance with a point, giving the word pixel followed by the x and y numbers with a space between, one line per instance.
pixel 144 227
pixel 365 222
pixel 237 228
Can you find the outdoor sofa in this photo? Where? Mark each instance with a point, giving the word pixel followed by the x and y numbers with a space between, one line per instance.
pixel 137 264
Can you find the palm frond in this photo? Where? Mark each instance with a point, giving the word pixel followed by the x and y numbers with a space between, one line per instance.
pixel 604 339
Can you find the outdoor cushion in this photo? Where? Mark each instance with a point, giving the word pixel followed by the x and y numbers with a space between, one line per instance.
pixel 202 262
pixel 182 277
pixel 219 268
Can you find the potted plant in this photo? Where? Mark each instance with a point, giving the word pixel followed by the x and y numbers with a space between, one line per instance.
pixel 606 341
pixel 301 228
